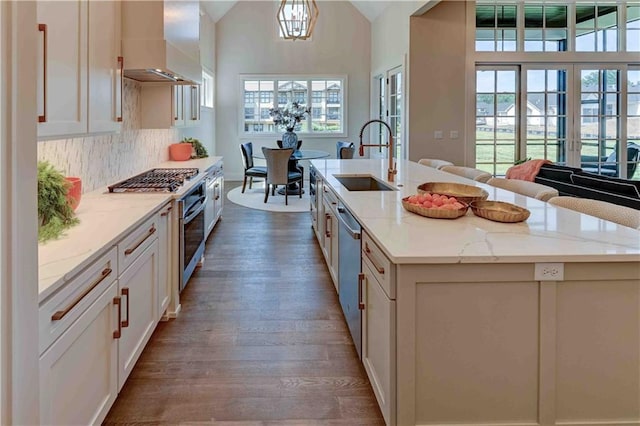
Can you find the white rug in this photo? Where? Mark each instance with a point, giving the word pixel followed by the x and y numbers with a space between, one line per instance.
pixel 254 199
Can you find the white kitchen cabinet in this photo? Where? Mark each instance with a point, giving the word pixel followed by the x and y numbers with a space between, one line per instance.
pixel 78 373
pixel 167 256
pixel 330 227
pixel 378 340
pixel 138 286
pixel 62 67
pixel 215 191
pixel 106 67
pixel 79 68
pixel 169 106
pixel 191 96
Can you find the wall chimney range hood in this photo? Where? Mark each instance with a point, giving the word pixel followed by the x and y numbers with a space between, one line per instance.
pixel 160 41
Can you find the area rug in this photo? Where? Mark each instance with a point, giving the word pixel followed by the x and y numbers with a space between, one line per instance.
pixel 254 199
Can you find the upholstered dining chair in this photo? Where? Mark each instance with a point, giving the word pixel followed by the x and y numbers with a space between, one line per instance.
pixel 468 172
pixel 345 150
pixel 250 170
pixel 622 215
pixel 524 187
pixel 432 162
pixel 298 166
pixel 278 172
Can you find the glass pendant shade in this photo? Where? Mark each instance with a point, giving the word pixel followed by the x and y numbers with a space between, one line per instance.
pixel 297 18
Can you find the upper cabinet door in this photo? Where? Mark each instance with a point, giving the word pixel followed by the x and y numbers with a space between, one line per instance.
pixel 105 67
pixel 62 65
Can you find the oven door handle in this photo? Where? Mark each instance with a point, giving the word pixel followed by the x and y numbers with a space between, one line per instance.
pixel 195 209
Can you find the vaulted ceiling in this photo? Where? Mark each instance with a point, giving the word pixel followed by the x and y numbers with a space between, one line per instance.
pixel 216 9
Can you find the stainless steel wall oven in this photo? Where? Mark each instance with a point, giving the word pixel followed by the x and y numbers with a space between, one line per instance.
pixel 192 230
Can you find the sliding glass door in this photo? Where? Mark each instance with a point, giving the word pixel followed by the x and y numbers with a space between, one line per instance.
pixel 580 115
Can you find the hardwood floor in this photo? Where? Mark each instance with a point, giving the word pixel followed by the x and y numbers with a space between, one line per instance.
pixel 261 339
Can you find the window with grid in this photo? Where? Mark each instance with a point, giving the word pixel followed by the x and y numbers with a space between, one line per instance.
pixel 496 28
pixel 325 96
pixel 546 28
pixel 596 28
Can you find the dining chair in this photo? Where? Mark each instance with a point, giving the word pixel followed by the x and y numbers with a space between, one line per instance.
pixel 468 172
pixel 432 162
pixel 345 150
pixel 622 215
pixel 278 172
pixel 524 187
pixel 295 163
pixel 250 170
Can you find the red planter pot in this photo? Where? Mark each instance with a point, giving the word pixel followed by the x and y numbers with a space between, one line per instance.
pixel 180 151
pixel 75 191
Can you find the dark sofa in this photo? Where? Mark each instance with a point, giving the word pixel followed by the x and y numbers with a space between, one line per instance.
pixel 578 183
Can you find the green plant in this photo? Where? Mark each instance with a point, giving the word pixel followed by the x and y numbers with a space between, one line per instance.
pixel 200 150
pixel 54 212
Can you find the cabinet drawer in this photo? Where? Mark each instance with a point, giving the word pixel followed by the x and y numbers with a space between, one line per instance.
pixel 329 196
pixel 136 242
pixel 383 269
pixel 63 308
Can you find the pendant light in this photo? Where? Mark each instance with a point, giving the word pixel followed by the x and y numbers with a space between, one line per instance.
pixel 297 18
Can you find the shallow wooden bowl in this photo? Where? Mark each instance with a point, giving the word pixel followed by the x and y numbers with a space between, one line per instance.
pixel 435 213
pixel 463 193
pixel 499 211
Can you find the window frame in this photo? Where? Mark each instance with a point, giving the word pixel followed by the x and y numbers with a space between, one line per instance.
pixel 207 89
pixel 309 78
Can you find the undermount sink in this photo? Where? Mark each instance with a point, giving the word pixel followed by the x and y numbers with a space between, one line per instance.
pixel 363 183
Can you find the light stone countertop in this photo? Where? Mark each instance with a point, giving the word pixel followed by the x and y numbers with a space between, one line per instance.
pixel 550 234
pixel 105 218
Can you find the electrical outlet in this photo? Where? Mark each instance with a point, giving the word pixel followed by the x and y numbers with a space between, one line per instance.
pixel 549 272
pixel 453 134
pixel 438 134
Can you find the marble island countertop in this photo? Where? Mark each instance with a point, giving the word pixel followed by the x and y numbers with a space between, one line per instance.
pixel 104 219
pixel 550 234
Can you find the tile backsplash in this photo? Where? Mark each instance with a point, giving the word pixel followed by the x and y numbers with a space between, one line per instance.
pixel 105 159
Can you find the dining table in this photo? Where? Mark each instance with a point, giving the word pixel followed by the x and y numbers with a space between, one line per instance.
pixel 299 154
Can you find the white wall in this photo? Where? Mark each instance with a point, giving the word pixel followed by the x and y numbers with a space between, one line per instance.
pixel 205 132
pixel 390 36
pixel 247 43
pixel 438 80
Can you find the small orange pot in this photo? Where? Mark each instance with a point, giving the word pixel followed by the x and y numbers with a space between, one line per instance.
pixel 75 191
pixel 180 151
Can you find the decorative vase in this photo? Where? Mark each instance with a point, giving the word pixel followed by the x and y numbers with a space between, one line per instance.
pixel 74 193
pixel 290 139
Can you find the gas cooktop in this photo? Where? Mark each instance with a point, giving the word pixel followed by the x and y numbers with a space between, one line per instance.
pixel 155 180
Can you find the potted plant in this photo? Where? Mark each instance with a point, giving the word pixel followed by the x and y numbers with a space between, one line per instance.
pixel 55 212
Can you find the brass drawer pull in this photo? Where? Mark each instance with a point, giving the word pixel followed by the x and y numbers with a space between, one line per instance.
pixel 327 232
pixel 61 314
pixel 121 66
pixel 43 29
pixel 150 232
pixel 367 250
pixel 125 292
pixel 117 301
pixel 360 304
pixel 166 213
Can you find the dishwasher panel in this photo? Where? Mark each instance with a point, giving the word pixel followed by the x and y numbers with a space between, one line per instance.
pixel 348 270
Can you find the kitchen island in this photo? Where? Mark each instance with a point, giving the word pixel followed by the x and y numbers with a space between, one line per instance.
pixel 473 322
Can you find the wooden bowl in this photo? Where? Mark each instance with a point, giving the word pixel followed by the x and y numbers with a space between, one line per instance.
pixel 435 213
pixel 499 211
pixel 463 193
pixel 74 193
pixel 180 151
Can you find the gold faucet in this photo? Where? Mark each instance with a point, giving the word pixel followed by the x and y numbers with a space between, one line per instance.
pixel 392 166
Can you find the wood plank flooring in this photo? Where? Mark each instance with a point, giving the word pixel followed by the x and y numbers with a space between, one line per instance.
pixel 261 339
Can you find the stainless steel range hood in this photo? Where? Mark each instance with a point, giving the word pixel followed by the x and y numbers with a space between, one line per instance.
pixel 160 41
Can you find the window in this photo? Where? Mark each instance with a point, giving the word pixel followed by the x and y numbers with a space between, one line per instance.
pixel 496 28
pixel 596 28
pixel 324 95
pixel 206 92
pixel 542 26
pixel 545 28
pixel 633 28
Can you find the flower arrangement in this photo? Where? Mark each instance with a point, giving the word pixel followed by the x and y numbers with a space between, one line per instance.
pixel 290 116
